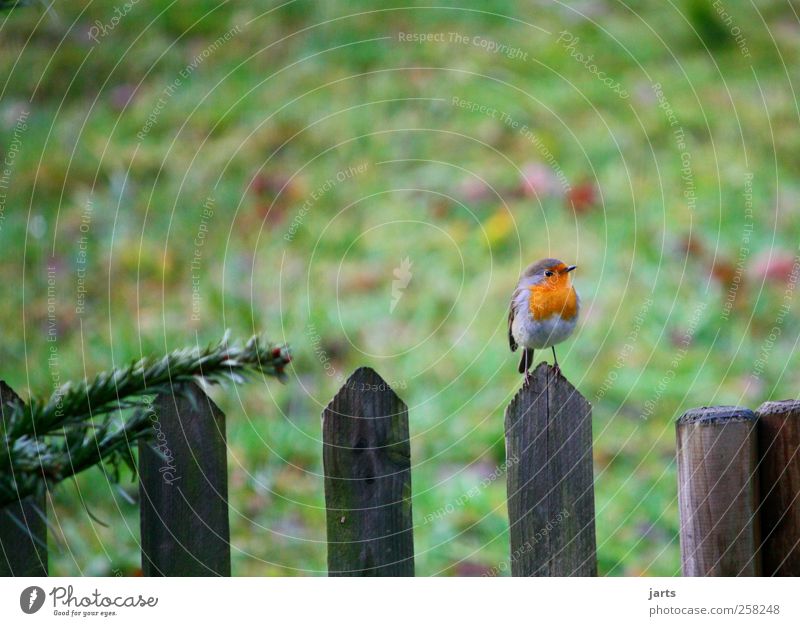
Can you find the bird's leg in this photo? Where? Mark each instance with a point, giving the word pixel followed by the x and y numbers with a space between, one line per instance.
pixel 528 362
pixel 555 362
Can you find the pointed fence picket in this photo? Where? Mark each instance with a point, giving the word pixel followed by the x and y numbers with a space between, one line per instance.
pixel 550 478
pixel 367 460
pixel 183 488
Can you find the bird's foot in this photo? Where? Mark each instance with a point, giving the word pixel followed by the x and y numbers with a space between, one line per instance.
pixel 557 370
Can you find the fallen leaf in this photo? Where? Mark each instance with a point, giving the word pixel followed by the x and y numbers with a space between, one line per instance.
pixel 724 271
pixel 693 245
pixel 775 266
pixel 582 197
pixel 498 226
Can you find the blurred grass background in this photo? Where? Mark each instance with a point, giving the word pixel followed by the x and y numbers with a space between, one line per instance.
pixel 307 149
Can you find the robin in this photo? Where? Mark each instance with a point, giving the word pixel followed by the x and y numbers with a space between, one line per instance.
pixel 544 310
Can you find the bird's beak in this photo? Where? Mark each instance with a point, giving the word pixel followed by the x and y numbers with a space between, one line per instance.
pixel 570 268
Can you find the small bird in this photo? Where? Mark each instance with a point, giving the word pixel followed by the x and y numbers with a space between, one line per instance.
pixel 544 310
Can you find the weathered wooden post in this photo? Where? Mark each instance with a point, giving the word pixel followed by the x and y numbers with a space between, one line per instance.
pixel 367 461
pixel 718 492
pixel 23 531
pixel 779 470
pixel 184 488
pixel 550 478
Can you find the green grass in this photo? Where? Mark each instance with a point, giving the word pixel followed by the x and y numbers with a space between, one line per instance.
pixel 303 92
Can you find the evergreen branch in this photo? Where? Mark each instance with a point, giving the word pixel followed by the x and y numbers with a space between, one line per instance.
pixel 87 424
pixel 7 5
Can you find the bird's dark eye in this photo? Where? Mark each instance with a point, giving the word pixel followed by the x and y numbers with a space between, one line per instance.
pixel 548 273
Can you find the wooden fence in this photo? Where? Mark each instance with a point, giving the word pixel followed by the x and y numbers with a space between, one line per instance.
pixel 739 490
pixel 738 487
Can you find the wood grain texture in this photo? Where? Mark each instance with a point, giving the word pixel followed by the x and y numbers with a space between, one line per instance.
pixel 718 492
pixel 20 553
pixel 779 471
pixel 367 461
pixel 550 478
pixel 184 488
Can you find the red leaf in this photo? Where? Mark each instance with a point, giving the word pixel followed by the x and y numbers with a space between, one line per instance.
pixel 582 197
pixel 775 266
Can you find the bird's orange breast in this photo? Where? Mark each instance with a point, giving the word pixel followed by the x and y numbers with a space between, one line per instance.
pixel 546 301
